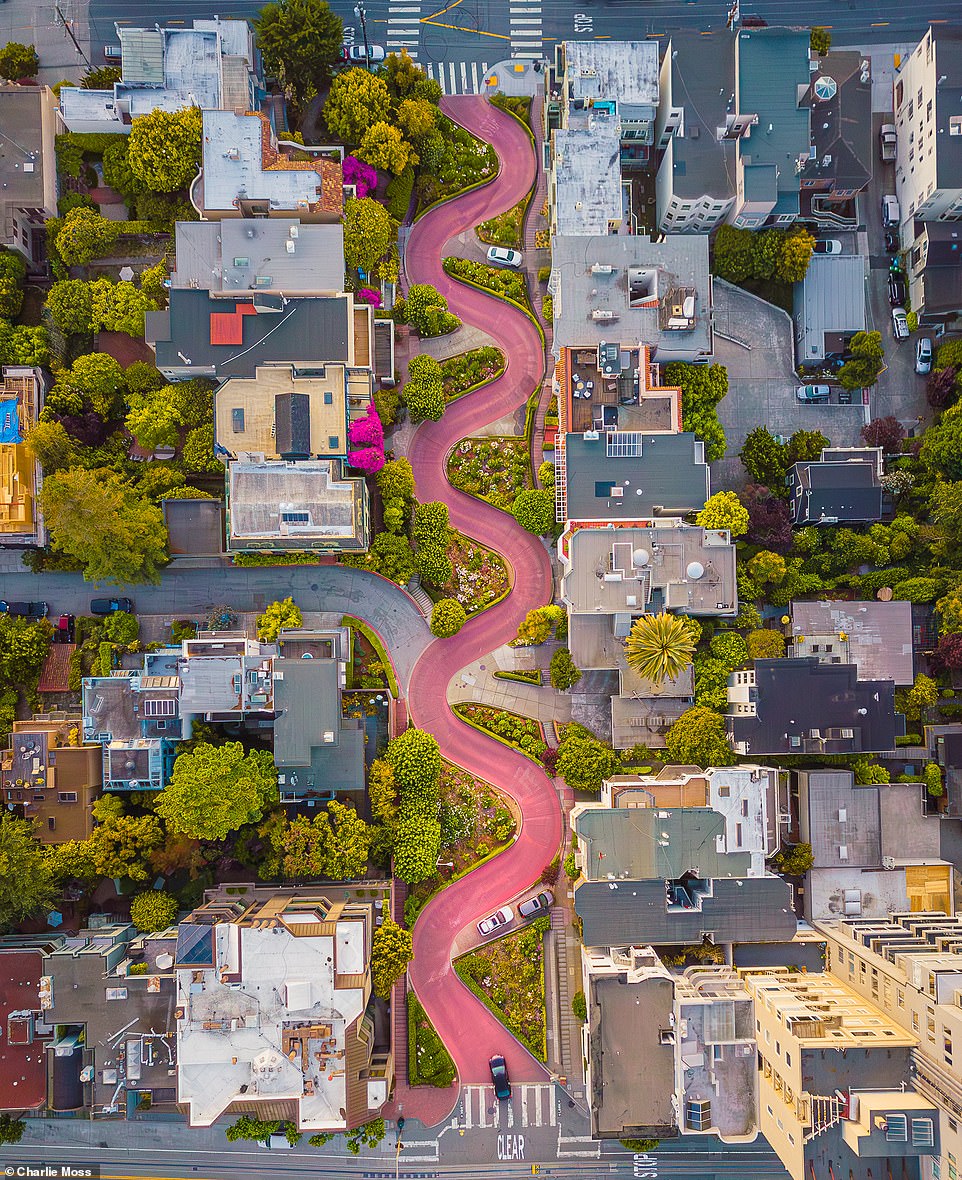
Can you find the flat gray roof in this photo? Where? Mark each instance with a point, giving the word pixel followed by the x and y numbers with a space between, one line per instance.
pixel 251 253
pixel 841 821
pixel 702 83
pixel 633 1073
pixel 878 636
pixel 829 304
pixel 23 112
pixel 679 261
pixel 626 71
pixel 668 478
pixel 587 175
pixel 947 44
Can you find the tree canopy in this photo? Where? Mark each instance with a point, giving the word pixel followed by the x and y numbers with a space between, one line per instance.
pixel 584 762
pixel 165 148
pixel 534 510
pixel 391 950
pixel 724 510
pixel 26 884
pixel 357 101
pixel 154 910
pixel 278 616
pixel 702 388
pixel 368 231
pixel 214 790
pixel 18 61
pixel 447 618
pixel 300 41
pixel 698 738
pixel 659 647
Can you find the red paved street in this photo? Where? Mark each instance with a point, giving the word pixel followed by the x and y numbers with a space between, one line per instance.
pixel 468 1029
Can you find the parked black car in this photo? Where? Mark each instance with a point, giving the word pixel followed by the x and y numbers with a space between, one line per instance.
pixel 891 242
pixel 896 289
pixel 25 610
pixel 109 606
pixel 499 1075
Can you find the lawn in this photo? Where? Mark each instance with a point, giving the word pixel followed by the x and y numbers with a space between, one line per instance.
pixel 474 823
pixel 480 575
pixel 524 733
pixel 429 1063
pixel 468 369
pixel 495 469
pixel 508 975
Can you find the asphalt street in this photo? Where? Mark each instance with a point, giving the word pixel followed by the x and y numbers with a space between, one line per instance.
pixel 192 591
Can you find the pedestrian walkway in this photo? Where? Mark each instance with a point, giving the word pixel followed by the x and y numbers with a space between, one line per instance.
pixel 526 36
pixel 477 683
pixel 404 27
pixel 457 77
pixel 528 1106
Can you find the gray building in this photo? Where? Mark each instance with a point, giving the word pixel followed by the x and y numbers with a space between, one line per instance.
pixel 843 486
pixel 633 476
pixel 28 168
pixel 259 254
pixel 829 306
pixel 936 272
pixel 633 289
pixel 874 636
pixel 843 144
pixel 841 821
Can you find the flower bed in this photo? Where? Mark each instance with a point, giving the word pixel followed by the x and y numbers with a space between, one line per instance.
pixel 498 280
pixel 494 469
pixel 464 372
pixel 508 976
pixel 475 825
pixel 524 733
pixel 480 575
pixel 506 228
pixel 429 1063
pixel 467 162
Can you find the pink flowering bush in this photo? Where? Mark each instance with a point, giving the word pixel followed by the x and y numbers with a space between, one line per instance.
pixel 366 437
pixel 368 295
pixel 362 175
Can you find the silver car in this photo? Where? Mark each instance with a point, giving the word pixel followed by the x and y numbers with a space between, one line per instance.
pixel 540 903
pixel 496 920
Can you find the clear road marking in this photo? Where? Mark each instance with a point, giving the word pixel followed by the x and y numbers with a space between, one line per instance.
pixel 464 76
pixel 403 31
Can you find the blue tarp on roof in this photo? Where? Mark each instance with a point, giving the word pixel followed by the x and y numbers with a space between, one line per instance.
pixel 9 422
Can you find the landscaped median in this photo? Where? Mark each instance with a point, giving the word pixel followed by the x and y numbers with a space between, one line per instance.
pixel 469 371
pixel 429 1063
pixel 524 734
pixel 493 469
pixel 507 975
pixel 496 280
pixel 375 641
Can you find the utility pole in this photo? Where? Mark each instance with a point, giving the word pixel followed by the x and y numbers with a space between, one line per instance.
pixel 362 17
pixel 69 32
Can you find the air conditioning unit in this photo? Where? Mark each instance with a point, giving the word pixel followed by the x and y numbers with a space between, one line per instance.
pixel 888 862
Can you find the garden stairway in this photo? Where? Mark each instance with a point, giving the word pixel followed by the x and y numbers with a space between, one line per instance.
pixel 569 979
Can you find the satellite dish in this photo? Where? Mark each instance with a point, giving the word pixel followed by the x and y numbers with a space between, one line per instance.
pixel 825 88
pixel 640 557
pixel 695 570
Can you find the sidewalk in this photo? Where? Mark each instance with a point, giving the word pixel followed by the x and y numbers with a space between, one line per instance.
pixel 477 684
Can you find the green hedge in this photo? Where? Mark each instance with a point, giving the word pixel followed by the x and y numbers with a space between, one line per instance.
pixel 522 677
pixel 72 146
pixel 910 739
pixel 458 710
pixel 429 1063
pixel 398 193
pixel 375 642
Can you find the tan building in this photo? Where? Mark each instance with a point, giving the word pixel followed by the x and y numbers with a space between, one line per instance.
pixel 911 967
pixel 21 398
pixel 46 775
pixel 273 1013
pixel 835 1091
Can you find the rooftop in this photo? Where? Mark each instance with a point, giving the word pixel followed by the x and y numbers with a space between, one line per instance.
pixel 626 71
pixel 829 305
pixel 840 96
pixel 615 387
pixel 21 398
pixel 27 163
pixel 634 476
pixel 242 163
pixel 633 570
pixel 46 779
pixel 641 286
pixel 305 505
pixel 877 637
pixel 315 749
pixel 258 253
pixel 841 821
pixel 23 1069
pixel 586 175
pixel 801 706
pixel 843 486
pixel 947 65
pixel 702 79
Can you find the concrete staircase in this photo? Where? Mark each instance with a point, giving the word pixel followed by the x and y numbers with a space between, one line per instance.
pixel 421 597
pixel 570 1028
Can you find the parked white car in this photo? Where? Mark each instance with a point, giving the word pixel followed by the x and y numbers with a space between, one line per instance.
pixel 496 920
pixel 900 323
pixel 828 246
pixel 502 256
pixel 923 355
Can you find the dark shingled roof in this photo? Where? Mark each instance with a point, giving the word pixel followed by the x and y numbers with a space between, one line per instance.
pixel 292 418
pixel 848 491
pixel 308 706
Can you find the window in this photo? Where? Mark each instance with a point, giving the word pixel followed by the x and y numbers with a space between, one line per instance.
pixel 328 399
pixel 788 1057
pixel 920 96
pixel 67 797
pixel 237 420
pixel 333 441
pixel 900 997
pixel 51 823
pixel 911 108
pixel 724 792
pixel 915 1022
pixel 955 124
pixel 928 111
pixel 745 807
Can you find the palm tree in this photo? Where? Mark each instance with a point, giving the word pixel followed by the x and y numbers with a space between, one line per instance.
pixel 659 647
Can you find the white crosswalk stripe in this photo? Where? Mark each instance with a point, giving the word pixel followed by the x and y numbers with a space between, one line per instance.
pixel 530 1106
pixel 458 77
pixel 525 21
pixel 403 28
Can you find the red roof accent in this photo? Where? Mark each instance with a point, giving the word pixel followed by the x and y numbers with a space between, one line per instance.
pixel 245 309
pixel 23 1071
pixel 226 328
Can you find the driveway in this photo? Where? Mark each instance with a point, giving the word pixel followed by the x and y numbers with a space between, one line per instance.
pixel 190 592
pixel 753 340
pixel 470 1032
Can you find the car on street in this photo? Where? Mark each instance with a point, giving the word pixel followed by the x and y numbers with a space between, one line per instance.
pixel 887 141
pixel 896 288
pixel 890 212
pixel 813 393
pixel 499 1075
pixel 24 610
pixel 891 242
pixel 828 246
pixel 355 53
pixel 496 920
pixel 110 606
pixel 502 256
pixel 900 323
pixel 63 629
pixel 538 904
pixel 278 1141
pixel 923 355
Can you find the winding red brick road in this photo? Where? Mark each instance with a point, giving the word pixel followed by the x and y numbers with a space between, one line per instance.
pixel 467 1028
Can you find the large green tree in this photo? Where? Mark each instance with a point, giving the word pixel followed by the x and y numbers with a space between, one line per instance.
pixel 357 100
pixel 385 148
pixel 23 648
pixel 368 231
pixel 865 361
pixel 534 510
pixel 26 884
pixel 69 305
pixel 583 761
pixel 698 738
pixel 96 517
pixel 702 388
pixel 332 843
pixel 424 391
pixel 99 378
pixel 284 613
pixel 659 647
pixel 154 910
pixel 300 41
pixel 165 148
pixel 214 790
pixel 18 61
pixel 391 950
pixel 724 510
pixel 85 235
